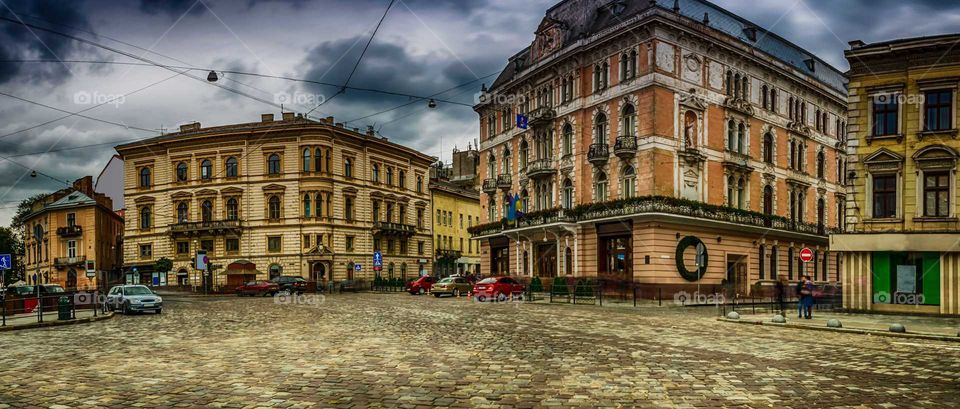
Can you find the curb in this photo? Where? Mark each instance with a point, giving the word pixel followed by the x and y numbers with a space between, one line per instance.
pixel 57 323
pixel 909 335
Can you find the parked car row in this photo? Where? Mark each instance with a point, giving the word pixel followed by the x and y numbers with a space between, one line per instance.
pixel 491 288
pixel 290 284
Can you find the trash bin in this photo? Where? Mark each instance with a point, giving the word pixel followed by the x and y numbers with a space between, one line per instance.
pixel 64 308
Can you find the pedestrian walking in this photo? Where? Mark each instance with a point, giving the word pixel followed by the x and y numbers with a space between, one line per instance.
pixel 799 294
pixel 781 290
pixel 806 297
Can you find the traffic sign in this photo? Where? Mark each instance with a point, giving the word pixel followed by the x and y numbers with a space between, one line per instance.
pixel 357 267
pixel 806 255
pixel 6 262
pixel 377 259
pixel 202 260
pixel 377 268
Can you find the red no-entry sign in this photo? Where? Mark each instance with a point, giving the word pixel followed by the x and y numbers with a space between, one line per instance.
pixel 806 255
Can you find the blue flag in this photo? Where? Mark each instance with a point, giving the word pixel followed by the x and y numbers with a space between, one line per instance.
pixel 521 121
pixel 518 206
pixel 511 208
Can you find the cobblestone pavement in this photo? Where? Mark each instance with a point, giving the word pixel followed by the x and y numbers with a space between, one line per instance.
pixel 369 350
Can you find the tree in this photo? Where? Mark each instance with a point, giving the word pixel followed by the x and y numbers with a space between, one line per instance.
pixel 163 265
pixel 10 244
pixel 23 209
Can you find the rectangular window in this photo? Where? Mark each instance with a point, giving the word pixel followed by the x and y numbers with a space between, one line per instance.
pixel 403 247
pixel 376 244
pixel 72 248
pixel 936 194
pixel 884 196
pixel 183 247
pixel 273 244
pixel 938 110
pixel 390 246
pixel 71 219
pixel 206 245
pixel 146 250
pixel 306 241
pixel 763 260
pixel 349 243
pixel 885 112
pixel 420 248
pixel 233 245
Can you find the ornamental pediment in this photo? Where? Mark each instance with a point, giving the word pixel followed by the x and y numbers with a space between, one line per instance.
pixel 231 191
pixel 549 39
pixel 883 160
pixel 274 187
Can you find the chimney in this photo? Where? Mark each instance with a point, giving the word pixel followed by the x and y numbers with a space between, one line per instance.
pixel 84 185
pixel 856 44
pixel 339 124
pixel 193 126
pixel 329 120
pixel 266 118
pixel 288 116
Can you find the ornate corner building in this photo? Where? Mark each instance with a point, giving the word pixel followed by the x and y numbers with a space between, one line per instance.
pixel 652 129
pixel 275 197
pixel 902 244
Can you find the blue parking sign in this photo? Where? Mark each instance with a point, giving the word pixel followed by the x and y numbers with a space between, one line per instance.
pixel 377 259
pixel 357 267
pixel 6 262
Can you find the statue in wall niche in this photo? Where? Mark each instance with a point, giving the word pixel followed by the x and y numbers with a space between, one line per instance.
pixel 689 130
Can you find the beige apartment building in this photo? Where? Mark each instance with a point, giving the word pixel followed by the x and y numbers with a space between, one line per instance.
pixel 654 129
pixel 276 197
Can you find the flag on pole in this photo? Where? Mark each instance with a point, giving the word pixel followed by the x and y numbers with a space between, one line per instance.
pixel 518 206
pixel 511 208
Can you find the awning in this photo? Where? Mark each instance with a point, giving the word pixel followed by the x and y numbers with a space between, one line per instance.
pixel 241 267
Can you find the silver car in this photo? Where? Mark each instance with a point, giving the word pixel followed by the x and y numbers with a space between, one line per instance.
pixel 133 298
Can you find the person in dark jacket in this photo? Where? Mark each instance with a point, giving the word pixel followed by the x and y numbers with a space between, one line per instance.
pixel 799 294
pixel 806 297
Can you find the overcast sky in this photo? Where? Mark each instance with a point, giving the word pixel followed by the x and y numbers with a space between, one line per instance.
pixel 422 47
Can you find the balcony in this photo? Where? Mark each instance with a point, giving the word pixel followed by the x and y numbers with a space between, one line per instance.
pixel 393 229
pixel 61 262
pixel 541 116
pixel 448 254
pixel 70 231
pixel 626 146
pixel 489 185
pixel 542 167
pixel 598 153
pixel 504 182
pixel 211 228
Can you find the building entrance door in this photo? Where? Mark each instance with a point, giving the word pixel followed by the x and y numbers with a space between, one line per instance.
pixel 318 273
pixel 547 260
pixel 737 273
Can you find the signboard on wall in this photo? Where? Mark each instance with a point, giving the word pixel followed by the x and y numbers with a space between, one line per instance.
pixel 906 279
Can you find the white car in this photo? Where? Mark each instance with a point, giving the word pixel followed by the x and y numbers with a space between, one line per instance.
pixel 133 298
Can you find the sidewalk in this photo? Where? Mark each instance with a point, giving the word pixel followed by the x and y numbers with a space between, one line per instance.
pixel 29 320
pixel 919 325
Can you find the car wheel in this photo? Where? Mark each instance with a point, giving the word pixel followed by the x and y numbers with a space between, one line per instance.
pixel 481 298
pixel 436 295
pixel 126 309
pixel 456 292
pixel 501 297
pixel 421 291
pixel 158 310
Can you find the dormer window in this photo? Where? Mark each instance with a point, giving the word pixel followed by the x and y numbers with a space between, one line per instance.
pixel 750 32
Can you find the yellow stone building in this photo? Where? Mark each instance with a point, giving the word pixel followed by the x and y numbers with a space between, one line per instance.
pixel 902 243
pixel 275 197
pixel 457 208
pixel 69 231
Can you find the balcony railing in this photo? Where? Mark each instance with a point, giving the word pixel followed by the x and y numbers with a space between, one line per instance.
pixel 626 146
pixel 598 153
pixel 215 228
pixel 655 204
pixel 70 231
pixel 449 254
pixel 541 115
pixel 542 167
pixel 393 229
pixel 489 185
pixel 504 182
pixel 69 261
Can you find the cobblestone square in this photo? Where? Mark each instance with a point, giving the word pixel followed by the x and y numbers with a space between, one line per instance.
pixel 395 350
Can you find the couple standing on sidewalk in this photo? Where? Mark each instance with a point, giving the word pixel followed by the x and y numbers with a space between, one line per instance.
pixel 805 293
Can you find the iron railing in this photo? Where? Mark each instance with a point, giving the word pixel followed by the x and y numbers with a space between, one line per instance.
pixel 598 153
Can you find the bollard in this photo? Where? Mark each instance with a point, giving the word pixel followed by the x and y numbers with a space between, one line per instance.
pixel 779 319
pixel 899 328
pixel 733 315
pixel 834 323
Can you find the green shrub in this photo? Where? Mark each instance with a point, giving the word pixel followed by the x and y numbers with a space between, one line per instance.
pixel 584 288
pixel 536 285
pixel 560 286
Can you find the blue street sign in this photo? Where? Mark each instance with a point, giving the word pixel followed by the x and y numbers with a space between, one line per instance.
pixel 357 267
pixel 521 121
pixel 377 259
pixel 6 262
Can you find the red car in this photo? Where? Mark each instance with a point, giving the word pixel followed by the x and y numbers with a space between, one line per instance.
pixel 258 287
pixel 497 288
pixel 421 285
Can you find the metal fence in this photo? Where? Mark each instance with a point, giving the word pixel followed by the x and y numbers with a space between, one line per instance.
pixel 24 309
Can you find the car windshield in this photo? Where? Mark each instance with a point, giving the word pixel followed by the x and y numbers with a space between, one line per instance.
pixel 138 290
pixel 490 280
pixel 53 289
pixel 446 280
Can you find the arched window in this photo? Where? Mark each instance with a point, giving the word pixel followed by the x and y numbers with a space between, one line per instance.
pixel 491 211
pixel 736 85
pixel 182 172
pixel 145 177
pixel 183 213
pixel 741 190
pixel 628 120
pixel 790 113
pixel 376 172
pixel 600 128
pixel 318 160
pixel 731 191
pixel 231 167
pixel 624 66
pixel 821 207
pixel 273 164
pixel 821 164
pixel 773 99
pixel 233 210
pixel 628 182
pixel 745 88
pixel 306 206
pixel 741 137
pixel 206 169
pixel 145 217
pixel 348 167
pixel 567 140
pixel 568 261
pixel 729 82
pixel 320 207
pixel 206 211
pixel 768 147
pixel 273 208
pixel 524 200
pixel 507 162
pixel 600 187
pixel 632 66
pixel 419 184
pixel 348 208
pixel 768 199
pixel 389 175
pixel 731 135
pixel 765 97
pixel 524 153
pixel 306 160
pixel 491 166
pixel 567 194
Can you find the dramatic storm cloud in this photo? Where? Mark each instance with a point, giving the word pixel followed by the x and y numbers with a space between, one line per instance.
pixel 422 48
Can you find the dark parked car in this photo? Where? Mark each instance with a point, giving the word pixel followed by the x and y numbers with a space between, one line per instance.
pixel 497 288
pixel 421 285
pixel 259 287
pixel 291 284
